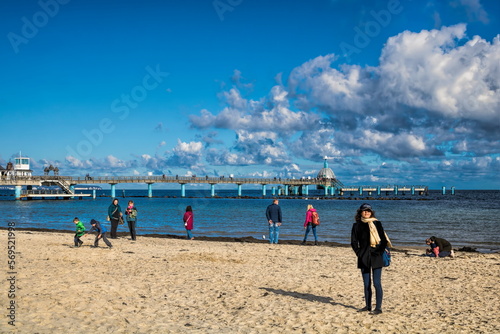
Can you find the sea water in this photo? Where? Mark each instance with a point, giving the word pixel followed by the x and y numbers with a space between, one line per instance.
pixel 467 218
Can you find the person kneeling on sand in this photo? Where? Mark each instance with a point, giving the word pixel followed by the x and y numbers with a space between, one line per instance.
pixel 101 233
pixel 439 247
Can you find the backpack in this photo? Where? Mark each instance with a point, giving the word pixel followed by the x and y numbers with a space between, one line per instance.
pixel 314 218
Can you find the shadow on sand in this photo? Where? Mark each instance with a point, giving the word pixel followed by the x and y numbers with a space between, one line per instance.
pixel 307 296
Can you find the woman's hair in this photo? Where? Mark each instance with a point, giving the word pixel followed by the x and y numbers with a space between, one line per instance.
pixel 114 199
pixel 357 217
pixel 309 207
pixel 188 208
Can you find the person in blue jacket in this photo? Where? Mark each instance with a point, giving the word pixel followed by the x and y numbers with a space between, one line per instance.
pixel 273 215
pixel 101 233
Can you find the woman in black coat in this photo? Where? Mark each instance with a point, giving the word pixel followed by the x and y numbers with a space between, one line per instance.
pixel 368 240
pixel 114 214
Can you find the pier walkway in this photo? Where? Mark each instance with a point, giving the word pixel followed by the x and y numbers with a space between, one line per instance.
pixel 280 186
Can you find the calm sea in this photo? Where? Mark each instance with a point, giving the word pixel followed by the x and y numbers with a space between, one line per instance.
pixel 467 218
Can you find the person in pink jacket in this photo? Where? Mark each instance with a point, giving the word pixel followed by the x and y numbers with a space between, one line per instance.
pixel 188 221
pixel 308 225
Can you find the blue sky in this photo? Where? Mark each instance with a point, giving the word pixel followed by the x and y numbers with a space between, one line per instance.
pixel 393 92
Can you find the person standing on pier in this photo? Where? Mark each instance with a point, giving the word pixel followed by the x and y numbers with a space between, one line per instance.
pixel 114 214
pixel 131 213
pixel 273 215
pixel 188 221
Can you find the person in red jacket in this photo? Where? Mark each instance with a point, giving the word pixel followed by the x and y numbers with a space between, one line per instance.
pixel 188 221
pixel 308 225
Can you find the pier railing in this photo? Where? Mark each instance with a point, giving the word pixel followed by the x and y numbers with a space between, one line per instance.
pixel 191 179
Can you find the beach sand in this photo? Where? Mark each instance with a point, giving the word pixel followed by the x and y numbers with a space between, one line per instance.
pixel 160 285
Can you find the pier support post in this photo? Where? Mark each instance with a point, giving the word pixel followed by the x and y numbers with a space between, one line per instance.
pixel 263 190
pixel 413 190
pixel 72 189
pixel 306 190
pixel 332 191
pixel 286 190
pixel 212 189
pixel 395 190
pixel 150 190
pixel 17 192
pixel 453 190
pixel 183 190
pixel 93 193
pixel 360 191
pixel 326 190
pixel 113 190
pixel 274 191
pixel 444 190
pixel 378 191
pixel 239 190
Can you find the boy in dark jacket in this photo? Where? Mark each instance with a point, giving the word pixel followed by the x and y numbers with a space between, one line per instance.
pixel 101 233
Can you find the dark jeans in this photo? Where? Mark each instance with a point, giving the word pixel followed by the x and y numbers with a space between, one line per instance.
pixel 131 227
pixel 377 283
pixel 77 240
pixel 103 237
pixel 441 254
pixel 114 227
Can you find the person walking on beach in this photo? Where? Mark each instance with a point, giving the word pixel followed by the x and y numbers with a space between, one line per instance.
pixel 439 247
pixel 114 214
pixel 101 233
pixel 368 240
pixel 273 215
pixel 310 223
pixel 80 231
pixel 188 219
pixel 131 214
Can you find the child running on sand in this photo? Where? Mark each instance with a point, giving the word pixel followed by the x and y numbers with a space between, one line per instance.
pixel 101 233
pixel 80 231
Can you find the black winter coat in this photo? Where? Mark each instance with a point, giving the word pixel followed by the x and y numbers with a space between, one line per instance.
pixel 368 257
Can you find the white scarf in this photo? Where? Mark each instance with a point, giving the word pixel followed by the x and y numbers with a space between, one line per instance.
pixel 374 237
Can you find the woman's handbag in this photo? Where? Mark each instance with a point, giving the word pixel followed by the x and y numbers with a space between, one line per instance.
pixel 107 218
pixel 386 257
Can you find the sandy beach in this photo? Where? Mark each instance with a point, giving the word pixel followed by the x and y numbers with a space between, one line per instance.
pixel 161 285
